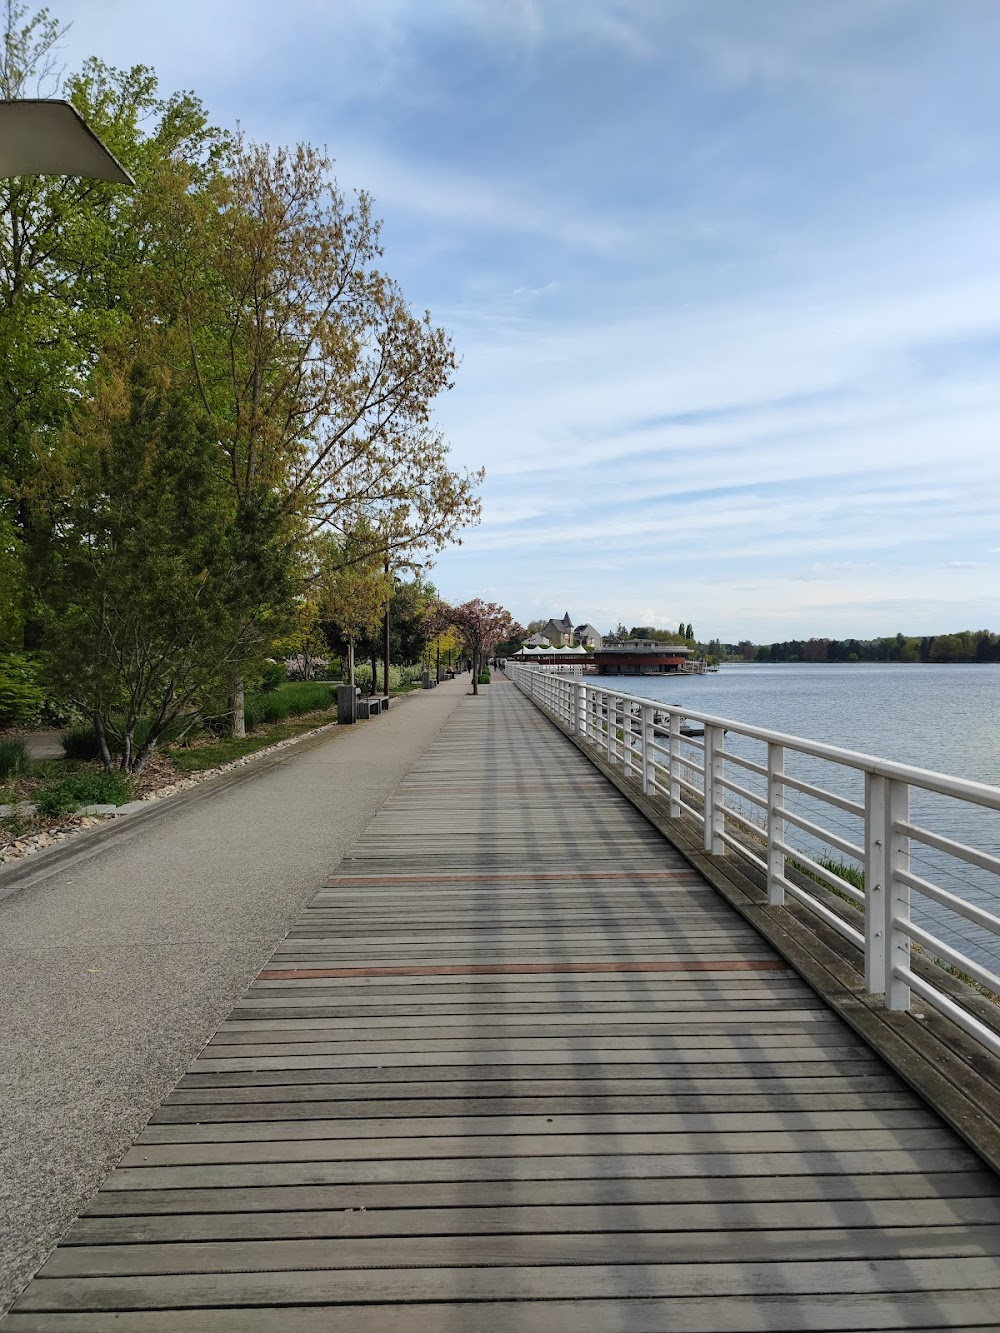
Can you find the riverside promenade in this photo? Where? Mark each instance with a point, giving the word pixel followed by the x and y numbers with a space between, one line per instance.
pixel 517 1066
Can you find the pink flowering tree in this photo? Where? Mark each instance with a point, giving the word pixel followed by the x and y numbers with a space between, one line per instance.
pixel 481 624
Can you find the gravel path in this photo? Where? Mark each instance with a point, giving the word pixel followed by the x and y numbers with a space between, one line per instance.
pixel 120 958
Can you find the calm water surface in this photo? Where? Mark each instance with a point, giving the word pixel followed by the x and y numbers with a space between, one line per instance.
pixel 942 717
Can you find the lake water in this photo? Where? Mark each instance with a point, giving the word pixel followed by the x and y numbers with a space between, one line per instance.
pixel 942 717
pixel 945 718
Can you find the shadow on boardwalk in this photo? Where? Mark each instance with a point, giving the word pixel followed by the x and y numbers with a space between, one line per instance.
pixel 517 1067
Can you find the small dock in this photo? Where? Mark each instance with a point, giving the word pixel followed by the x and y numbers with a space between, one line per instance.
pixel 520 1068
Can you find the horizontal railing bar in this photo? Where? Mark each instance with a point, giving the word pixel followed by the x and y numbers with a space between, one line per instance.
pixel 735 817
pixel 821 910
pixel 959 1016
pixel 683 782
pixel 955 849
pixel 743 851
pixel 743 763
pixel 817 831
pixel 821 794
pixel 695 814
pixel 979 793
pixel 978 915
pixel 745 792
pixel 831 880
pixel 930 942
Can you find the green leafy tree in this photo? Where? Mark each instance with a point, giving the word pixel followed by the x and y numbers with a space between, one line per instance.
pixel 351 588
pixel 157 586
pixel 71 251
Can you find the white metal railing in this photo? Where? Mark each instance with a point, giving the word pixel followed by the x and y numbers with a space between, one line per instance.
pixel 771 799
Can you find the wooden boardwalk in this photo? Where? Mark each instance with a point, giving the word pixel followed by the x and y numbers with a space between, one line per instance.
pixel 519 1068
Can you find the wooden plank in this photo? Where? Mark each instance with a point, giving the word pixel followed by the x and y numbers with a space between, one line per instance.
pixel 930 1311
pixel 580 1166
pixel 697 1124
pixel 715 1190
pixel 240 1111
pixel 833 1244
pixel 525 1220
pixel 578 1281
pixel 473 1089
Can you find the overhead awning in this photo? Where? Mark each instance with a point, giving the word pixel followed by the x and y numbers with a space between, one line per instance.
pixel 47 137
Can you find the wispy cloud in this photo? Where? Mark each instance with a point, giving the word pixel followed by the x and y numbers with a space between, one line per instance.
pixel 725 279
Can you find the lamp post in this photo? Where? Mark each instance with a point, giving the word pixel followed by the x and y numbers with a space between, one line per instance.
pixel 49 137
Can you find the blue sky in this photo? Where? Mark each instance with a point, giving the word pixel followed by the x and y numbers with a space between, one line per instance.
pixel 724 276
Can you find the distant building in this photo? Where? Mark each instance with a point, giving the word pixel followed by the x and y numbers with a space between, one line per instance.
pixel 558 633
pixel 587 637
pixel 640 657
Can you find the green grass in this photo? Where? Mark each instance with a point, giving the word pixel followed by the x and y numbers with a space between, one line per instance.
pixel 289 700
pixel 196 758
pixel 65 794
pixel 13 759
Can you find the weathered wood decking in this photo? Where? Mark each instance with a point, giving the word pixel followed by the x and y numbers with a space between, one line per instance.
pixel 520 1068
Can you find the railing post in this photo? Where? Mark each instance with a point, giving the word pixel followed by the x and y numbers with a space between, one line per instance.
pixel 609 713
pixel 875 865
pixel 574 707
pixel 581 711
pixel 897 894
pixel 775 824
pixel 674 767
pixel 715 796
pixel 648 771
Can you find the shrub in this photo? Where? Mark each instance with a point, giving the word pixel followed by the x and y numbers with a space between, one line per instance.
pixel 272 675
pixel 287 700
pixel 76 789
pixel 21 697
pixel 484 678
pixel 80 743
pixel 13 759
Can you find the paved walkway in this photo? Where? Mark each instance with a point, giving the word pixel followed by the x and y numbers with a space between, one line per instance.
pixel 517 1067
pixel 122 953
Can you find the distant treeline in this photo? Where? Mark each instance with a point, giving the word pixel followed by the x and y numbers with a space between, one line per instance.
pixel 980 645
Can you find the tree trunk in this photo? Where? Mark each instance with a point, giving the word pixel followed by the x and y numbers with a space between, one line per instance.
pixel 385 662
pixel 237 715
pixel 350 661
pixel 374 672
pixel 475 672
pixel 385 665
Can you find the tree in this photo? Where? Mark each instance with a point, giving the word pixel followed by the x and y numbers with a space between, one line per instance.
pixel 680 630
pixel 482 626
pixel 351 590
pixel 304 353
pixel 689 633
pixel 157 585
pixel 70 252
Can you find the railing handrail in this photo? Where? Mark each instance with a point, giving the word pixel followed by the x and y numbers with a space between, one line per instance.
pixel 943 784
pixel 643 739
